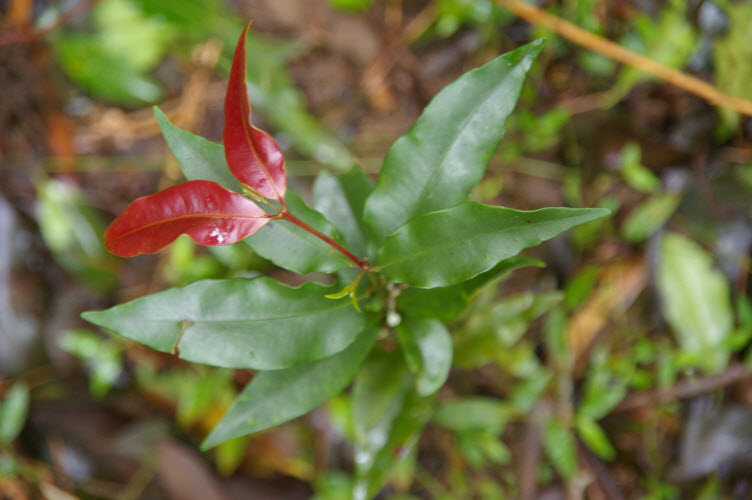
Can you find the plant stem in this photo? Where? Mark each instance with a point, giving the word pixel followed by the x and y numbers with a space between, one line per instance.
pixel 361 263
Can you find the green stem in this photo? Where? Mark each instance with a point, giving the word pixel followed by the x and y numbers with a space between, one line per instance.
pixel 361 263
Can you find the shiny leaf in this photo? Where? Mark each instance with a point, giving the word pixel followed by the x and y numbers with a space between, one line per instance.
pixel 253 156
pixel 293 248
pixel 204 210
pixel 430 341
pixel 445 153
pixel 450 246
pixel 239 323
pixel 199 158
pixel 341 198
pixel 446 303
pixel 274 397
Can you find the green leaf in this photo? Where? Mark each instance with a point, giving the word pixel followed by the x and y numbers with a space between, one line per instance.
pixel 732 51
pixel 649 216
pixel 473 413
pixel 444 155
pixel 73 230
pixel 446 303
pixel 637 175
pixel 295 249
pixel 593 436
pixel 696 300
pixel 199 158
pixel 351 5
pixel 238 323
pixel 430 340
pixel 560 448
pixel 388 416
pixel 130 36
pixel 341 198
pixel 13 410
pixel 103 358
pixel 102 74
pixel 450 246
pixel 274 397
pixel 607 382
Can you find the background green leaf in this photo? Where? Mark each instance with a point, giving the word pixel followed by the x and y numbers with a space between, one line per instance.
pixel 649 216
pixel 696 300
pixel 445 153
pixel 239 323
pixel 73 230
pixel 560 447
pixel 112 62
pixel 450 246
pixel 274 397
pixel 594 437
pixel 473 413
pixel 431 341
pixel 13 410
pixel 388 417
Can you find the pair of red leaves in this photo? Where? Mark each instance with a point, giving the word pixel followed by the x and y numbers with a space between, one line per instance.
pixel 204 210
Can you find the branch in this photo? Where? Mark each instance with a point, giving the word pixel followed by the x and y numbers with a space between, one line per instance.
pixel 618 53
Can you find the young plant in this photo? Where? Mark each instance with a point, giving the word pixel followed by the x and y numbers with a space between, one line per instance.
pixel 409 252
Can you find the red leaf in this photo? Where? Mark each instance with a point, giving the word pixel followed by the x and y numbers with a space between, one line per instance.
pixel 253 156
pixel 204 210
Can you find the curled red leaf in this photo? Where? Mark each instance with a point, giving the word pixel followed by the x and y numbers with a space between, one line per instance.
pixel 253 156
pixel 204 210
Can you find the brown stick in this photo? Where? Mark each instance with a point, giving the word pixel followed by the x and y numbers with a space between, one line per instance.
pixel 686 388
pixel 618 53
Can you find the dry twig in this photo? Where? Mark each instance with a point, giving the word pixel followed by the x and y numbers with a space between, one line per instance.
pixel 618 53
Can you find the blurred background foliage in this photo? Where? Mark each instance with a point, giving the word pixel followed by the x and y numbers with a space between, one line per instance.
pixel 620 370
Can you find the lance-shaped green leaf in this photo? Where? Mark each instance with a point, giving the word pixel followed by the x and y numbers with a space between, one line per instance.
pixel 696 300
pixel 474 413
pixel 436 163
pixel 428 349
pixel 450 246
pixel 239 323
pixel 446 303
pixel 13 410
pixel 341 198
pixel 293 248
pixel 388 415
pixel 276 396
pixel 199 158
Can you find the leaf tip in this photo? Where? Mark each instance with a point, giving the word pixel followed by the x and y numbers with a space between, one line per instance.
pixel 210 441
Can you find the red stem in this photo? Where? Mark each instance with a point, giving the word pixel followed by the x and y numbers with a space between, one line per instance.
pixel 284 214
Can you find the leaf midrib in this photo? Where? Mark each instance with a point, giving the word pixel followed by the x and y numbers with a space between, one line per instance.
pixel 463 240
pixel 274 318
pixel 421 196
pixel 189 216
